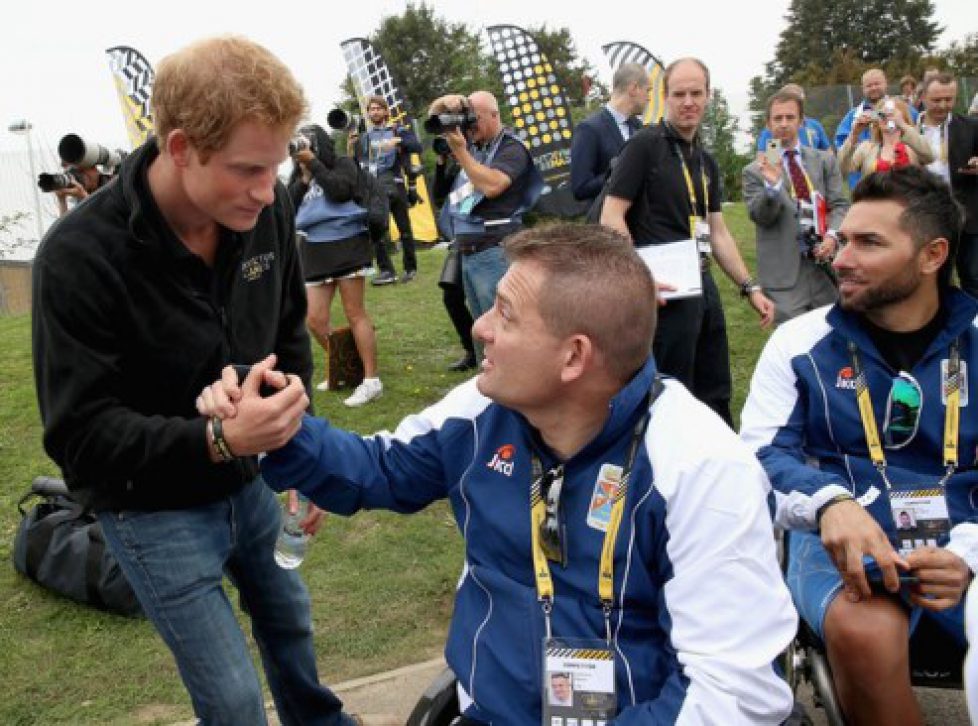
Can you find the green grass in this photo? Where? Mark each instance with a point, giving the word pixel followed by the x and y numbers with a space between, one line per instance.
pixel 381 584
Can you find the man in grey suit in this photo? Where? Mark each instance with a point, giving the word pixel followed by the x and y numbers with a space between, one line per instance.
pixel 785 198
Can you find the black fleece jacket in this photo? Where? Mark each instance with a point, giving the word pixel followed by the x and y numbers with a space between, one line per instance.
pixel 128 328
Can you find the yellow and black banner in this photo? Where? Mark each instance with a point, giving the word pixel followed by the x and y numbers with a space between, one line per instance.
pixel 133 76
pixel 371 77
pixel 625 51
pixel 541 114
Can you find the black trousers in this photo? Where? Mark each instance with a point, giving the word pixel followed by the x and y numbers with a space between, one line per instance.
pixel 691 345
pixel 967 263
pixel 378 237
pixel 454 298
pixel 397 197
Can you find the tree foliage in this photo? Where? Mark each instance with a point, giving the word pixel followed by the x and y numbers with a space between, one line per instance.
pixel 558 46
pixel 822 33
pixel 719 132
pixel 429 57
pixel 830 42
pixel 962 57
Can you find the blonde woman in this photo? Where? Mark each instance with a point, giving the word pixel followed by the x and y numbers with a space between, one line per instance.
pixel 893 142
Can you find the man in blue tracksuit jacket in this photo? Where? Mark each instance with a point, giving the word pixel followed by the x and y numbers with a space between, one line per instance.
pixel 860 415
pixel 567 406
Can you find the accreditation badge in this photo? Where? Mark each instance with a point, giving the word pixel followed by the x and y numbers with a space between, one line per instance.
pixel 578 682
pixel 920 517
pixel 701 232
pixel 605 491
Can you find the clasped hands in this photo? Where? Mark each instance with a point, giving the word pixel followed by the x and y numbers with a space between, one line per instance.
pixel 254 424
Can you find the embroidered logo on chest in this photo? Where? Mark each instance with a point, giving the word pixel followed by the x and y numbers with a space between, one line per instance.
pixel 254 267
pixel 502 461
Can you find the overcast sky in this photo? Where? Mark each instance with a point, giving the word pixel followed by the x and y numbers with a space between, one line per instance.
pixel 55 73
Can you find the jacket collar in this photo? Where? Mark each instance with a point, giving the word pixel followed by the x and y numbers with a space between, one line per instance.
pixel 961 310
pixel 624 410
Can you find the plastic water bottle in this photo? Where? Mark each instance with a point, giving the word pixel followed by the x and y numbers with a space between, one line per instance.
pixel 290 548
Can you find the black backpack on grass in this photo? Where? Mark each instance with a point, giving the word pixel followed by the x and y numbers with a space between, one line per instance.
pixel 60 546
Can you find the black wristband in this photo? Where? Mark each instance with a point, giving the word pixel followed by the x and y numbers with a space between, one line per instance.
pixel 844 497
pixel 220 443
pixel 748 286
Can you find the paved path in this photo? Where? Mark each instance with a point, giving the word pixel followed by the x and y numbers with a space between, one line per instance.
pixel 395 692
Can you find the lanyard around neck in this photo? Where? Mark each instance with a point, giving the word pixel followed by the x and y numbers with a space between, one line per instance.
pixel 952 413
pixel 538 514
pixel 692 190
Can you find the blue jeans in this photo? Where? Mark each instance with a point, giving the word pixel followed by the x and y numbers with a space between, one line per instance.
pixel 481 273
pixel 176 560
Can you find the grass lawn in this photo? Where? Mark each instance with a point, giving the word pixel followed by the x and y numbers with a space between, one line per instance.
pixel 381 584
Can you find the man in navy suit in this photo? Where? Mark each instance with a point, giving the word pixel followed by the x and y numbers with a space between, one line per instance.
pixel 599 137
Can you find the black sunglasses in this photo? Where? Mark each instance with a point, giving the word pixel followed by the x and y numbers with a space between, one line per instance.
pixel 551 528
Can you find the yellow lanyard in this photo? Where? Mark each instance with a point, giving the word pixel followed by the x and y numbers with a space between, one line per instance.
pixel 692 191
pixel 606 568
pixel 943 128
pixel 952 413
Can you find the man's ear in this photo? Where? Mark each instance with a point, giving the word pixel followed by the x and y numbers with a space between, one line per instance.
pixel 578 358
pixel 933 255
pixel 178 147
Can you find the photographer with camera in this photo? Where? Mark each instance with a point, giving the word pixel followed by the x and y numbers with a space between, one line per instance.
pixel 384 151
pixel 335 248
pixel 874 93
pixel 80 161
pixel 495 183
pixel 893 141
pixel 785 191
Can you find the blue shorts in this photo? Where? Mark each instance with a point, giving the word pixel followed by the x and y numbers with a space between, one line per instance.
pixel 815 582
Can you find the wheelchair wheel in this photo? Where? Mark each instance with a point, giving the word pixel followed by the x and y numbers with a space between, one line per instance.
pixel 438 705
pixel 824 689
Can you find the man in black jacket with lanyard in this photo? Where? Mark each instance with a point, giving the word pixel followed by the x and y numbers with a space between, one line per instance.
pixel 185 264
pixel 666 188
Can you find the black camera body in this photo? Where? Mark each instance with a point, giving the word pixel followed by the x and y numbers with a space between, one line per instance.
pixel 463 120
pixel 440 146
pixel 808 242
pixel 60 180
pixel 298 143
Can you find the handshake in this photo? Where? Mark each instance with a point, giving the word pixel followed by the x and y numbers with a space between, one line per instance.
pixel 252 409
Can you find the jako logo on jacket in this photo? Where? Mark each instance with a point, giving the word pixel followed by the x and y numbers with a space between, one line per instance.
pixel 846 379
pixel 502 460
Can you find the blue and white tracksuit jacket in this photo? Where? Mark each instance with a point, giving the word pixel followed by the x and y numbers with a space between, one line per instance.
pixel 700 609
pixel 802 419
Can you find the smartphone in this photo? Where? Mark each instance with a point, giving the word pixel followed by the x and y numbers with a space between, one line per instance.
pixel 264 390
pixel 773 152
pixel 874 575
